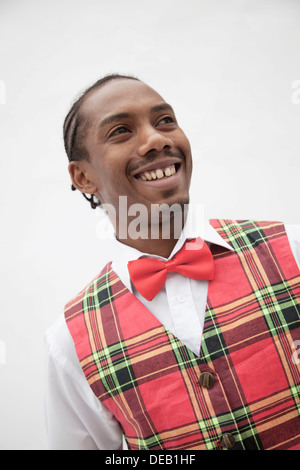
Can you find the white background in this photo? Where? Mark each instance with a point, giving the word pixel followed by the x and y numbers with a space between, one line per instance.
pixel 231 70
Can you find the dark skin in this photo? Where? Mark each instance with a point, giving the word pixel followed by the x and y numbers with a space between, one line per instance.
pixel 132 130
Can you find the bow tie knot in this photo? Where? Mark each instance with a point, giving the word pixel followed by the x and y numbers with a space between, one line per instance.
pixel 171 265
pixel 194 260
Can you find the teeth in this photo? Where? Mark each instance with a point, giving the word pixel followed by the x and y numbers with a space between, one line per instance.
pixel 157 174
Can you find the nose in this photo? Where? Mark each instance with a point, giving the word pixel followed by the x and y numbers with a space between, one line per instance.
pixel 152 140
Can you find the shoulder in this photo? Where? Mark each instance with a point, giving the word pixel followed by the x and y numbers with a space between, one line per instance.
pixel 63 366
pixel 293 233
pixel 98 284
pixel 97 294
pixel 61 349
pixel 257 231
pixel 248 232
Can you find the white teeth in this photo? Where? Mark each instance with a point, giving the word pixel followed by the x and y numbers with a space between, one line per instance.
pixel 157 174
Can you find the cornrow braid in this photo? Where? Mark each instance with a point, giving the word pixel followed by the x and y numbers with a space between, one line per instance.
pixel 76 125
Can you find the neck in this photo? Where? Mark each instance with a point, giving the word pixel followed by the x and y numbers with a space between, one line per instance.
pixel 153 247
pixel 158 239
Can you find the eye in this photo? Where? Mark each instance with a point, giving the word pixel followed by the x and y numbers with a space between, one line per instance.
pixel 118 131
pixel 166 120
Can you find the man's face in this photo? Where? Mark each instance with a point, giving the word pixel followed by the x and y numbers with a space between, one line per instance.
pixel 136 147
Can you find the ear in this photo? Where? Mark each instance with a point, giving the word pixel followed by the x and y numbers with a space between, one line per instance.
pixel 81 177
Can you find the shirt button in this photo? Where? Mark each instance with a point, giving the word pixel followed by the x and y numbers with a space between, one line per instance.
pixel 180 298
pixel 206 379
pixel 227 440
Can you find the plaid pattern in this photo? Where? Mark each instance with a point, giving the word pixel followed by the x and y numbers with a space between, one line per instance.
pixel 150 380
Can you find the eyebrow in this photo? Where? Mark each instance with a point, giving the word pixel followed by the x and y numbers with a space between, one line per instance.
pixel 162 107
pixel 116 117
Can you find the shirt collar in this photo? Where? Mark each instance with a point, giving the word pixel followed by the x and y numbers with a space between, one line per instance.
pixel 196 225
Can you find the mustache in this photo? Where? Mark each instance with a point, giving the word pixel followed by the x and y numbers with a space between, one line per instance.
pixel 156 156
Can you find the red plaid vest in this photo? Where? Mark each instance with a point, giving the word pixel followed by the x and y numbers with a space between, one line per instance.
pixel 242 389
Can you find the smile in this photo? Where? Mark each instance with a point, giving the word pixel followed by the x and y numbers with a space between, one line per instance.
pixel 158 173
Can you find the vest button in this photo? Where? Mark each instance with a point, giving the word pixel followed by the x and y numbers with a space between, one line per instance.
pixel 206 379
pixel 227 440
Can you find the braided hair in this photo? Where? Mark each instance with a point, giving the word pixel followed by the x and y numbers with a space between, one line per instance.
pixel 75 128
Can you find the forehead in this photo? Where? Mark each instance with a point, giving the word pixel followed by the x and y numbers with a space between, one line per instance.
pixel 120 95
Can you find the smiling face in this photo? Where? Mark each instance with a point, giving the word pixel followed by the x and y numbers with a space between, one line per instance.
pixel 136 148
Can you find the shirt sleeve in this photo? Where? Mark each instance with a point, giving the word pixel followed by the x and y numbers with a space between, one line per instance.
pixel 75 418
pixel 293 233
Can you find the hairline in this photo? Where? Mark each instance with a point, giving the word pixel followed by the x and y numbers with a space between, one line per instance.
pixel 82 114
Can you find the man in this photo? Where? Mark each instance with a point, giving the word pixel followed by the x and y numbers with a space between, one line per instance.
pixel 181 342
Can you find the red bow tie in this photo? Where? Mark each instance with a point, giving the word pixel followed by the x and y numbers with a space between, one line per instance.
pixel 194 260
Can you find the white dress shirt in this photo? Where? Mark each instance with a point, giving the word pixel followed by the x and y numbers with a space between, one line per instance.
pixel 75 418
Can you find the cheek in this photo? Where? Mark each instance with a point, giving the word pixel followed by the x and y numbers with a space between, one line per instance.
pixel 181 141
pixel 112 182
pixel 184 145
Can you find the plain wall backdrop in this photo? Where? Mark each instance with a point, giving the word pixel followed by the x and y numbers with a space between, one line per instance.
pixel 231 70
